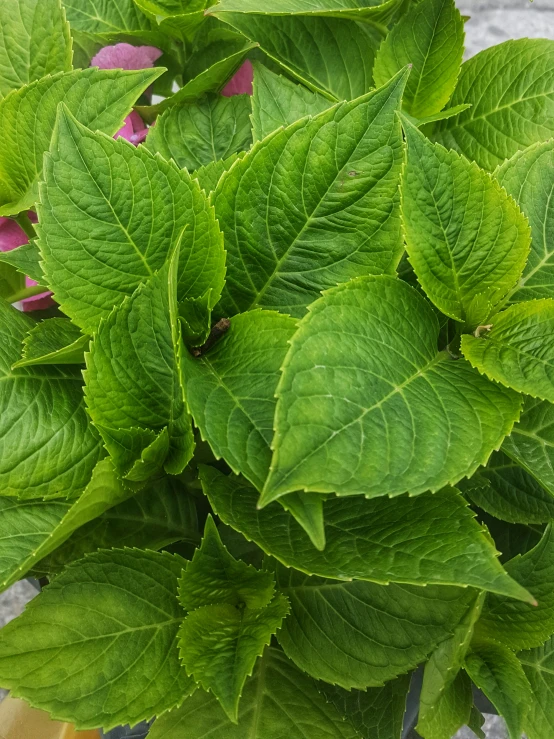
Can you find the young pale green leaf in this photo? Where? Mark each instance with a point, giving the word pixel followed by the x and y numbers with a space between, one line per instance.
pixel 538 665
pixel 219 646
pixel 511 91
pixel 464 236
pixel 376 11
pixel 54 341
pixel 26 259
pixel 34 43
pixel 313 205
pixel 177 18
pixel 518 625
pixel 451 711
pixel 432 532
pixel 529 178
pixel 367 405
pixel 113 613
pixel 430 37
pixel 99 98
pixel 518 348
pixel 111 214
pixel 209 175
pixel 277 102
pixel 133 384
pixel 48 448
pixel 12 282
pixel 104 16
pixel 196 134
pixel 498 673
pixel 359 634
pixel 31 530
pixel 505 490
pixel 214 577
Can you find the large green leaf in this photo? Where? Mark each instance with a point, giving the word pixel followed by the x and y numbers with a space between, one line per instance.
pixel 529 178
pixel 511 91
pixel 430 37
pixel 452 710
pixel 99 98
pixel 209 175
pixel 367 405
pixel 113 614
pixel 194 135
pixel 48 446
pixel 465 238
pixel 54 341
pixel 538 665
pixel 278 701
pixel 110 215
pixel 133 390
pixel 432 532
pixel 178 18
pixel 314 205
pixel 34 43
pixel 359 634
pixel 105 16
pixel 378 11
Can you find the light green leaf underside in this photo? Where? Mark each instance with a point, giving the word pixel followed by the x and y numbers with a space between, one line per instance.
pixel 277 102
pixel 511 90
pixel 54 341
pixel 538 665
pixel 448 113
pixel 314 205
pixel 498 673
pixel 31 530
pixel 378 11
pixel 100 98
pixel 278 701
pixel 34 43
pixel 115 611
pixel 367 405
pixel 26 259
pixel 464 236
pixel 209 175
pixel 196 134
pixel 105 16
pixel 48 446
pixel 529 178
pixel 430 36
pixel 359 634
pixel 99 249
pixel 432 532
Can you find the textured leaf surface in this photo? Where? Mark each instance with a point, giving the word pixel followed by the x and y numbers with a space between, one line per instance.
pixel 11 282
pixel 110 216
pixel 105 16
pixel 511 91
pixel 538 665
pixel 26 259
pixel 366 403
pixel 371 10
pixel 99 98
pixel 465 237
pixel 451 712
pixel 55 341
pixel 278 701
pixel 529 178
pixel 35 42
pixel 430 36
pixel 432 532
pixel 196 134
pixel 47 446
pixel 209 175
pixel 313 205
pixel 98 646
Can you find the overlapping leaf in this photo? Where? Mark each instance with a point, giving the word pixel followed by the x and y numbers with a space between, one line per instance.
pixel 55 341
pixel 103 16
pixel 538 665
pixel 378 11
pixel 26 259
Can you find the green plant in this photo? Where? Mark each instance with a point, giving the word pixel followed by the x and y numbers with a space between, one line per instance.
pixel 298 389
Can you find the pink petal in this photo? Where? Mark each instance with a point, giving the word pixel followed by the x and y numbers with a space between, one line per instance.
pixel 37 302
pixel 11 235
pixel 241 83
pixel 134 129
pixel 126 56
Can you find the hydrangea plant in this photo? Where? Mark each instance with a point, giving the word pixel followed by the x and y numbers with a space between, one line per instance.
pixel 283 430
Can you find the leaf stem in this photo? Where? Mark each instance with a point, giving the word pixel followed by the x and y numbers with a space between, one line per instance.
pixel 24 222
pixel 27 292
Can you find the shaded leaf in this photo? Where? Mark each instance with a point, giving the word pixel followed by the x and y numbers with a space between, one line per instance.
pixel 538 665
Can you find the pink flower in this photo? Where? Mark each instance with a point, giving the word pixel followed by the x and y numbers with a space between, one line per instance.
pixel 241 83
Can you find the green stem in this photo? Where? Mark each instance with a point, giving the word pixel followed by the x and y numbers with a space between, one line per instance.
pixel 23 220
pixel 27 292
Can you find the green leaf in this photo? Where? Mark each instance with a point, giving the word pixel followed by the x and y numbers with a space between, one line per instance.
pixel 376 11
pixel 111 214
pixel 54 341
pixel 518 348
pixel 48 446
pixel 448 113
pixel 366 403
pixel 508 492
pixel 430 37
pixel 277 102
pixel 178 18
pixel 215 577
pixel 529 177
pixel 303 45
pixel 451 711
pixel 538 665
pixel 465 237
pixel 432 532
pixel 359 634
pixel 26 259
pixel 105 16
pixel 100 98
pixel 35 42
pixel 278 701
pixel 511 91
pixel 476 723
pixel 196 134
pixel 11 282
pixel 497 672
pixel 343 168
pixel 133 382
pixel 307 509
pixel 209 175
pixel 31 530
pixel 219 646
